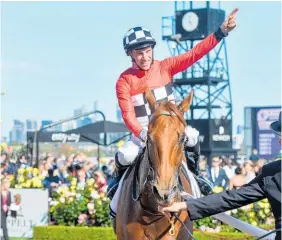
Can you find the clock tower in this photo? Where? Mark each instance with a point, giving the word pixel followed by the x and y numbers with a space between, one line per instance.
pixel 211 110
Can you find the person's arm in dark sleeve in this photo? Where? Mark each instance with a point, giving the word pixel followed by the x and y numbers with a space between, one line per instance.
pixel 227 200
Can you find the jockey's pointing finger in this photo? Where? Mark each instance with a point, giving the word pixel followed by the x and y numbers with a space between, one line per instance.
pixel 233 12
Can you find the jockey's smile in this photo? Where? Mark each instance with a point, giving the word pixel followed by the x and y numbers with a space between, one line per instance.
pixel 142 58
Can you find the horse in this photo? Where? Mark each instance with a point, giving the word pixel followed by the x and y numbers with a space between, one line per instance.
pixel 156 177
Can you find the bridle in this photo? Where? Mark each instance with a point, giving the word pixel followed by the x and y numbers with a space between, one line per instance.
pixel 151 177
pixel 152 172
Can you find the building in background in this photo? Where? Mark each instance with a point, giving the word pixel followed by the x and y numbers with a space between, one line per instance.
pixel 31 125
pixel 77 112
pixel 17 133
pixel 47 122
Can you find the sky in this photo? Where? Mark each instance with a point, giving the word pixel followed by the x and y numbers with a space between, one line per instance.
pixel 58 56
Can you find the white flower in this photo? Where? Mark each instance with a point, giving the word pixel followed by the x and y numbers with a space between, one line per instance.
pixel 62 199
pixel 228 212
pixel 80 186
pixel 67 194
pixel 203 228
pixel 54 203
pixel 90 206
pixel 78 196
pixel 49 199
pixel 95 195
pixel 234 211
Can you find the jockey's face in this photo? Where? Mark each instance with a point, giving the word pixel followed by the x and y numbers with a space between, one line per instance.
pixel 143 57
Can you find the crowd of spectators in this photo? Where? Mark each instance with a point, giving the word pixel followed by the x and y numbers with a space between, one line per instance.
pixel 57 171
pixel 227 173
pixel 222 172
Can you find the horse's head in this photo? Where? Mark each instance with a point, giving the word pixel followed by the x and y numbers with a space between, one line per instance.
pixel 166 145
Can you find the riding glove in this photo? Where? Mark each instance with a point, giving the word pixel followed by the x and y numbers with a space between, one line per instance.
pixel 192 136
pixel 143 135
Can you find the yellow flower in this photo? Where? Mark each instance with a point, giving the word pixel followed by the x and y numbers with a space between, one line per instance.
pixel 251 205
pixel 36 182
pixel 217 189
pixel 21 179
pixel 11 177
pixel 18 186
pixel 90 181
pixel 254 223
pixel 35 171
pixel 267 205
pixel 251 214
pixel 41 177
pixel 21 171
pixel 29 169
pixel 28 184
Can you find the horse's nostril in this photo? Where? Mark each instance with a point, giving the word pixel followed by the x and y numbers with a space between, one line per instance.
pixel 155 190
pixel 165 197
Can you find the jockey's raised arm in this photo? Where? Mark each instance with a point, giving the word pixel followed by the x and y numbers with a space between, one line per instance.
pixel 180 63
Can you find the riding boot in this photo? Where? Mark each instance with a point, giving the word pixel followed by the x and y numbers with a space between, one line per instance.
pixel 117 175
pixel 192 155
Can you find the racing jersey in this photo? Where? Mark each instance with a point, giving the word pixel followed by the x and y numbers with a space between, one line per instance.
pixel 132 84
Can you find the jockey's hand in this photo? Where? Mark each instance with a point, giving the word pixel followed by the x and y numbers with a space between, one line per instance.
pixel 230 22
pixel 143 135
pixel 192 136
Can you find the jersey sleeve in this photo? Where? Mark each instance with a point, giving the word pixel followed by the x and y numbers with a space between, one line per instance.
pixel 126 106
pixel 180 63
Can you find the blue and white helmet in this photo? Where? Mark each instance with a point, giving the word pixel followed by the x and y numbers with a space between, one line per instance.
pixel 138 38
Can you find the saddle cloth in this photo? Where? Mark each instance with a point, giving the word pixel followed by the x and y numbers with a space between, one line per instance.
pixel 194 186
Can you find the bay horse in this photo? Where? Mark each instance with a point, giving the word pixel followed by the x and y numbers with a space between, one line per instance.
pixel 154 178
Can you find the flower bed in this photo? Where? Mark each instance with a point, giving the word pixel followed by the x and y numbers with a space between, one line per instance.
pixel 87 205
pixel 80 205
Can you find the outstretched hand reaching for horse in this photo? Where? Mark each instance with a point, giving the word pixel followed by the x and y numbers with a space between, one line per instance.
pixel 230 22
pixel 175 207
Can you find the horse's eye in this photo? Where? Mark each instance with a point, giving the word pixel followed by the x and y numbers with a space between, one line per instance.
pixel 182 138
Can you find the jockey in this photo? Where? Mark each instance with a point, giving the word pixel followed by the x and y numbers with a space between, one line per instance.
pixel 145 72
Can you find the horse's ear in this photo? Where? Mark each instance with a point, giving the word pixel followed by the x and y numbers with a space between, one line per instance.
pixel 186 103
pixel 151 100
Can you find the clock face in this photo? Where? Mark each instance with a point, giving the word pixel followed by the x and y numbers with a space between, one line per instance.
pixel 190 21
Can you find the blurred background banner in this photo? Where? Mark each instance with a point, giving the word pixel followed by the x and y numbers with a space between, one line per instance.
pixel 29 208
